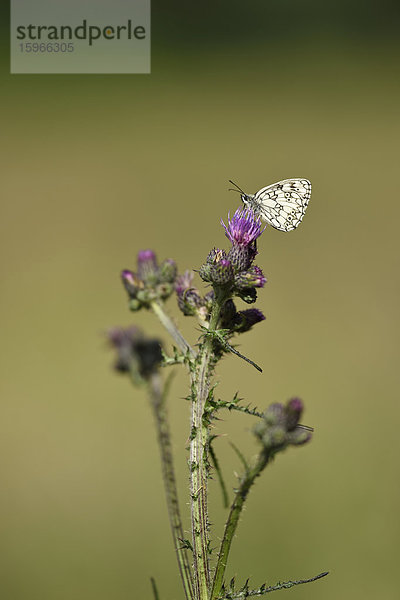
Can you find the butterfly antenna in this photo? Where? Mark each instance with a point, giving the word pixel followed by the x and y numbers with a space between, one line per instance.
pixel 238 189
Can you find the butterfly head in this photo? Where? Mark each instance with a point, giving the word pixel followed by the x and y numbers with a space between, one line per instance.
pixel 247 200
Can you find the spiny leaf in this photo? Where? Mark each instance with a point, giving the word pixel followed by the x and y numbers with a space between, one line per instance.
pixel 244 592
pixel 186 544
pixel 234 404
pixel 178 358
pixel 222 336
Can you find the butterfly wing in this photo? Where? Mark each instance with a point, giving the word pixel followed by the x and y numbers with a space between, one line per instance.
pixel 284 203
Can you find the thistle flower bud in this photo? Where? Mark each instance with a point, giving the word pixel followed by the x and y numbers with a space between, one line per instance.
pixel 298 436
pixel 131 282
pixel 248 295
pixel 247 318
pixel 167 271
pixel 241 257
pixel 293 411
pixel 164 290
pixel 279 426
pixel 251 278
pixel 215 256
pixel 221 272
pixel 151 282
pixel 149 355
pixel 134 352
pixel 274 415
pixel 147 266
pixel 229 315
pixel 189 299
pixel 205 272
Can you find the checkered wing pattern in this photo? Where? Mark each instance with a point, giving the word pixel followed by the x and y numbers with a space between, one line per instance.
pixel 281 204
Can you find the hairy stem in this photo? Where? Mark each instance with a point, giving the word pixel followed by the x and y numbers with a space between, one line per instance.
pixel 199 459
pixel 233 519
pixel 157 397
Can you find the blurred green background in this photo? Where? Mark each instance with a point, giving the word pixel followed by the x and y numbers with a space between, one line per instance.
pixel 95 168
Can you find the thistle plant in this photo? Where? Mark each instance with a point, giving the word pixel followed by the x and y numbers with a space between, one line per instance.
pixel 232 278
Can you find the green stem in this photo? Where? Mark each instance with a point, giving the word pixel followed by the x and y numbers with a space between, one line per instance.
pixel 167 322
pixel 157 397
pixel 233 519
pixel 199 459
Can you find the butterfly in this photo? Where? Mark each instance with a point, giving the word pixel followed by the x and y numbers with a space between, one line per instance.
pixel 281 204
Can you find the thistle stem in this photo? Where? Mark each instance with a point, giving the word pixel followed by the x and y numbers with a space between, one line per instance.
pixel 199 458
pixel 157 398
pixel 233 520
pixel 159 310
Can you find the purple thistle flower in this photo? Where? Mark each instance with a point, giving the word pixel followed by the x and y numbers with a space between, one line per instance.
pixel 244 227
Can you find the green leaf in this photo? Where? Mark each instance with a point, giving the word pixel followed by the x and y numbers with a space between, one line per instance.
pixel 241 457
pixel 215 462
pixel 154 588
